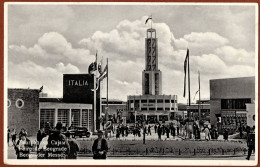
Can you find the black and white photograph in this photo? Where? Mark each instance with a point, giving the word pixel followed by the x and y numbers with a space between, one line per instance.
pixel 88 83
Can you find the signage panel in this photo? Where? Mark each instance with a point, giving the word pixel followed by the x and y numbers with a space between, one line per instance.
pixel 148 105
pixel 77 88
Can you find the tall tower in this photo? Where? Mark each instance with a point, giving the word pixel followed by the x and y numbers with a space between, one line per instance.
pixel 152 77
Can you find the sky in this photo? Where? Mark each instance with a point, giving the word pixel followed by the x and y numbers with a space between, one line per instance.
pixel 46 41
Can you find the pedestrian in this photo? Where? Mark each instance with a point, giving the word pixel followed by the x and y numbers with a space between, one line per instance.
pixel 117 132
pixel 207 134
pixel 178 129
pixel 250 143
pixel 21 132
pixel 126 130
pixel 225 134
pixel 14 137
pixel 8 136
pixel 155 128
pixel 159 132
pixel 173 132
pixel 240 131
pixel 149 130
pixel 100 147
pixel 167 130
pixel 163 130
pixel 74 147
pixel 23 147
pixel 58 146
pixel 40 135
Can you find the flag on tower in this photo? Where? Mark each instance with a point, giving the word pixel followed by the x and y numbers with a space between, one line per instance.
pixel 150 17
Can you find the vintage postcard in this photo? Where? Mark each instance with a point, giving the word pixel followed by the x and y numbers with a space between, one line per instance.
pixel 131 83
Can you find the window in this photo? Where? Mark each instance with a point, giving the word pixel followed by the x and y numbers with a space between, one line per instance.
pixel 160 109
pixel 63 116
pixel 75 116
pixel 172 101
pixel 151 109
pixel 136 101
pixel 151 101
pixel 160 101
pixel 143 101
pixel 47 119
pixel 167 109
pixel 167 101
pixel 8 103
pixel 19 103
pixel 234 103
pixel 143 109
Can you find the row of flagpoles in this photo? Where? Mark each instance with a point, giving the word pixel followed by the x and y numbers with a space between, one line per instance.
pixel 187 72
pixel 103 73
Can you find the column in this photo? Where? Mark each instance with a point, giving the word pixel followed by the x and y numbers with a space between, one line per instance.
pixel 146 116
pixel 69 122
pixel 80 117
pixel 55 117
pixel 88 113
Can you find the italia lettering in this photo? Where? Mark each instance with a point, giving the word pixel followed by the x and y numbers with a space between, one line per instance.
pixel 78 83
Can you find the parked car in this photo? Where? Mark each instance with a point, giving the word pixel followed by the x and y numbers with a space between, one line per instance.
pixel 79 131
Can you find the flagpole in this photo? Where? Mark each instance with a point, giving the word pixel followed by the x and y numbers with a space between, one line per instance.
pixel 189 76
pixel 107 82
pixel 151 22
pixel 199 97
pixel 95 95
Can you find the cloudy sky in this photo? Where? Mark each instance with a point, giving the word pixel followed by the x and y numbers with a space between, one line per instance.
pixel 47 41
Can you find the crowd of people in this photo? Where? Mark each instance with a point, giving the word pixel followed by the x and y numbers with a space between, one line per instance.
pixel 60 144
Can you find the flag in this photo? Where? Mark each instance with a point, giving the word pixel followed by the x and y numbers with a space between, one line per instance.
pixel 93 66
pixel 104 73
pixel 199 84
pixel 40 90
pixel 150 17
pixel 100 66
pixel 185 71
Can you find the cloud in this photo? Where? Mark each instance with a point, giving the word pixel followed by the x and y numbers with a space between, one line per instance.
pixel 124 46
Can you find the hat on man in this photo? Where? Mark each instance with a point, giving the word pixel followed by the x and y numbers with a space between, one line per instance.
pixel 100 132
pixel 59 126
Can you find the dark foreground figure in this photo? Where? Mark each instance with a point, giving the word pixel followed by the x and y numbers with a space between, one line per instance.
pixel 100 147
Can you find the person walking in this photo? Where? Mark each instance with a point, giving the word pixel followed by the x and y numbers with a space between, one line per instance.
pixel 14 134
pixel 167 130
pixel 149 130
pixel 100 147
pixel 240 129
pixel 207 134
pixel 8 136
pixel 58 146
pixel 40 135
pixel 159 132
pixel 178 129
pixel 155 128
pixel 225 134
pixel 173 132
pixel 23 147
pixel 250 143
pixel 74 147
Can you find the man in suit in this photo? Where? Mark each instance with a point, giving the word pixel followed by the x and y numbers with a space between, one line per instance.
pixel 100 147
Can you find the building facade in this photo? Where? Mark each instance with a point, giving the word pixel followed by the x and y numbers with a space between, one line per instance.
pixel 152 106
pixel 228 99
pixel 203 106
pixel 54 110
pixel 23 110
